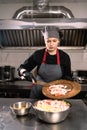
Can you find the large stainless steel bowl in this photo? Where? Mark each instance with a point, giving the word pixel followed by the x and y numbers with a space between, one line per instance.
pixel 20 108
pixel 51 117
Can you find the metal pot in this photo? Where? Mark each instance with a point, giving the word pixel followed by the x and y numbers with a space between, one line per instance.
pixel 7 73
pixel 81 79
pixel 1 73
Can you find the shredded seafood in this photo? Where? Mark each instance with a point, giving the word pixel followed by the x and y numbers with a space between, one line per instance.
pixel 52 105
pixel 58 89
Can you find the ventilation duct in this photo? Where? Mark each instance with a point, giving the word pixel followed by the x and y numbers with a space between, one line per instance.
pixel 40 5
pixel 47 12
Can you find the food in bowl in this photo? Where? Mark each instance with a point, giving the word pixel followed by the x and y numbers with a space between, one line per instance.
pixel 52 111
pixel 21 108
pixel 52 105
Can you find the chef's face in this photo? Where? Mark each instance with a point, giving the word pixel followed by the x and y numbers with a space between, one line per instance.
pixel 52 43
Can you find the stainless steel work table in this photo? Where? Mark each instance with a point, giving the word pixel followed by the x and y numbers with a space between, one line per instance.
pixel 76 120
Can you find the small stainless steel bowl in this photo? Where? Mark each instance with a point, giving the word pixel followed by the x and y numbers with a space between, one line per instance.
pixel 21 108
pixel 51 117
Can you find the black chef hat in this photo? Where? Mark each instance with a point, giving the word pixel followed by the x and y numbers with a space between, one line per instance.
pixel 51 31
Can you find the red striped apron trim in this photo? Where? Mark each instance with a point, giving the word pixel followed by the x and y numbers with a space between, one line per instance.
pixel 45 54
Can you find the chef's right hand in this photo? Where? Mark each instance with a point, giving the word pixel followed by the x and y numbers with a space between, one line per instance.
pixel 24 74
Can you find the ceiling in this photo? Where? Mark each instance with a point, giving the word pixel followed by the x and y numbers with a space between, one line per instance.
pixel 30 1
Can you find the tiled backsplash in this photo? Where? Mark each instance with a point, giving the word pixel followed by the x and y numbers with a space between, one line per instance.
pixel 14 57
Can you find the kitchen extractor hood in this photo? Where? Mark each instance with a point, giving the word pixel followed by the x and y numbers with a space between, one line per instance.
pixel 24 30
pixel 27 33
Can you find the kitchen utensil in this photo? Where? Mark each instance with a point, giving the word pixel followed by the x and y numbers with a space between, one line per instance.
pixel 8 73
pixel 73 85
pixel 51 117
pixel 21 108
pixel 1 73
pixel 81 79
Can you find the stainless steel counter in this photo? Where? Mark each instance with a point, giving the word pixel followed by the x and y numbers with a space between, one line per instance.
pixel 77 119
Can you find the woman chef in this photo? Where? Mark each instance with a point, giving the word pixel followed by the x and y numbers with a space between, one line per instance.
pixel 52 63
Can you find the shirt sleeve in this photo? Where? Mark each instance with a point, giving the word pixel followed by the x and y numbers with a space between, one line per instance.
pixel 29 63
pixel 34 60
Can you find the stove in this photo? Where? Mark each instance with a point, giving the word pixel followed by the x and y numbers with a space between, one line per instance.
pixel 80 76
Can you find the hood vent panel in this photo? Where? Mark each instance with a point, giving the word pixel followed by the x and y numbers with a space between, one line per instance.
pixel 34 38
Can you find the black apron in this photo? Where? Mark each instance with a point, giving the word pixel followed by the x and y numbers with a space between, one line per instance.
pixel 46 73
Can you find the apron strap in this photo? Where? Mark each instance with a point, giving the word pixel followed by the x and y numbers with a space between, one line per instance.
pixel 45 54
pixel 44 57
pixel 58 57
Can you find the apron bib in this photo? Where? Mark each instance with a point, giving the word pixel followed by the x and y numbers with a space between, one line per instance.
pixel 49 72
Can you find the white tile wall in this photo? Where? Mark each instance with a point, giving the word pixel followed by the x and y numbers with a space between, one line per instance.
pixel 16 57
